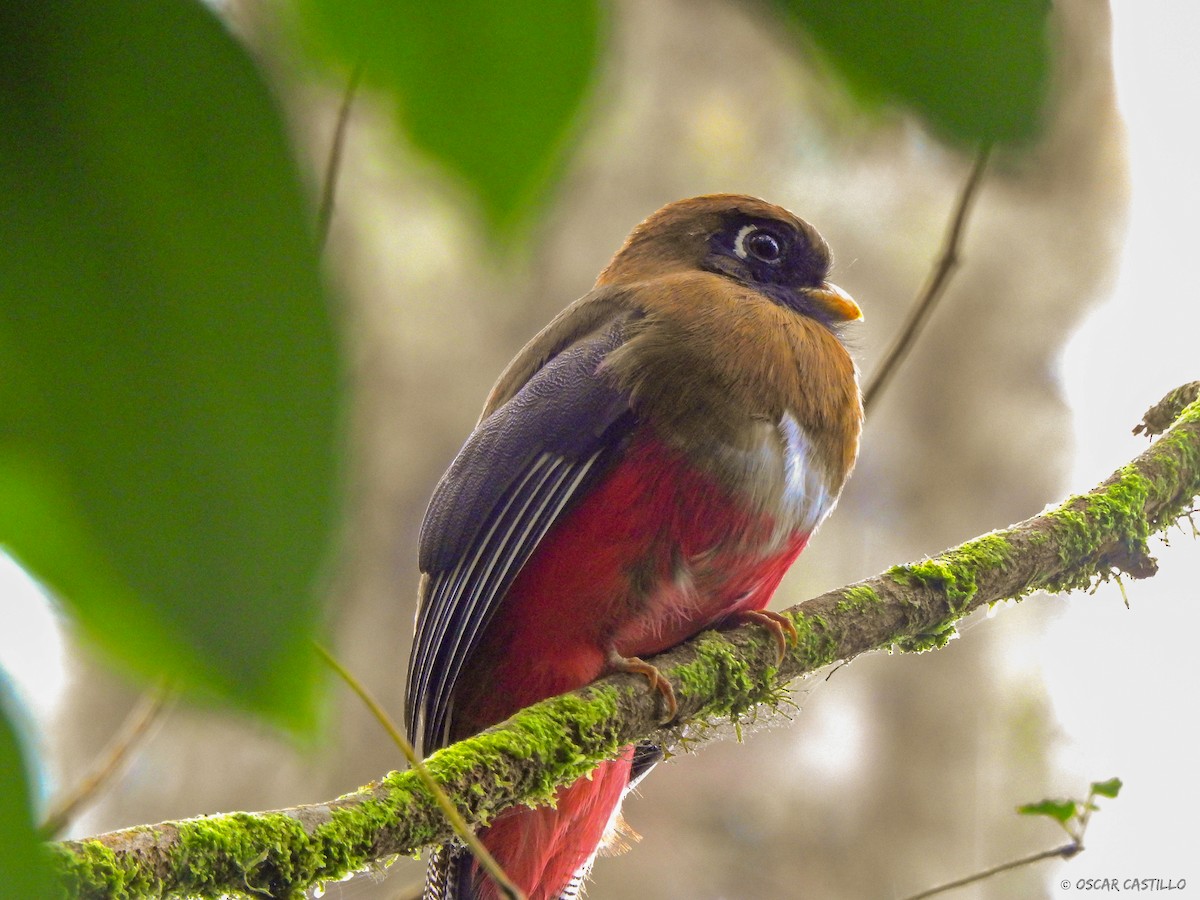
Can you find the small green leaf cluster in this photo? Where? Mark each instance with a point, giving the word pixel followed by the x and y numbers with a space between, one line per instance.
pixel 1072 814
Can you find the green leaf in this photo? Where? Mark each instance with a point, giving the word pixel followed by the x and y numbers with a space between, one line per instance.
pixel 491 90
pixel 24 866
pixel 1061 810
pixel 169 385
pixel 1109 788
pixel 976 70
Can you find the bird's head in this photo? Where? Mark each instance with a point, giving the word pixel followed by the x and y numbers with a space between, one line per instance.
pixel 748 240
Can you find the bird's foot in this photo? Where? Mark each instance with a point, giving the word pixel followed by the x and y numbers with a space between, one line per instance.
pixel 634 666
pixel 783 628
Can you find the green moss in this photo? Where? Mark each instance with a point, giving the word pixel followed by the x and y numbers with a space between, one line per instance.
pixel 1081 529
pixel 818 644
pixel 954 576
pixel 858 598
pixel 344 843
pixel 536 735
pixel 1186 448
pixel 91 871
pixel 943 634
pixel 728 683
pixel 1083 526
pixel 719 675
pixel 268 853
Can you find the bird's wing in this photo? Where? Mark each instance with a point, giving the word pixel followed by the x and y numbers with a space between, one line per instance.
pixel 514 478
pixel 595 311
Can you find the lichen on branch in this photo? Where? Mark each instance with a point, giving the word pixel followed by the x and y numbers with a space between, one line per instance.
pixel 716 675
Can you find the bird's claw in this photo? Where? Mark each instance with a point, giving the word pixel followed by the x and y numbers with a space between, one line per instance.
pixel 634 666
pixel 781 627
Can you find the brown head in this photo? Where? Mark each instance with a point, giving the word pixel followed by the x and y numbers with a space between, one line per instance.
pixel 755 243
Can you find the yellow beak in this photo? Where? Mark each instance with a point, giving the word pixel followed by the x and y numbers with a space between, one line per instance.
pixel 836 302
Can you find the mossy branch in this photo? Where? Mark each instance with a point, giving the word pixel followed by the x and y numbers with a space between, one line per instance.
pixel 716 676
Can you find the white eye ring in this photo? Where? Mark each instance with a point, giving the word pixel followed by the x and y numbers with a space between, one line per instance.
pixel 739 242
pixel 747 235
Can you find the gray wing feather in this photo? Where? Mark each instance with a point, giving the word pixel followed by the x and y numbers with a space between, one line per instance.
pixel 516 476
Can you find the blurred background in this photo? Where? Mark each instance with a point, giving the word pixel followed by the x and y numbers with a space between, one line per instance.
pixel 1072 313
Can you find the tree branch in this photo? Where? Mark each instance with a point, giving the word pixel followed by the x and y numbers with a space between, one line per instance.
pixel 333 164
pixel 724 675
pixel 110 763
pixel 935 283
pixel 1066 851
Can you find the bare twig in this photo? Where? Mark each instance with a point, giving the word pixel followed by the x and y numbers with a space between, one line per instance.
pixel 109 763
pixel 1066 851
pixel 1078 815
pixel 333 164
pixel 453 816
pixel 934 286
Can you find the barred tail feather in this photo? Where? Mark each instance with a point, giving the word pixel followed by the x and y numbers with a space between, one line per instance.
pixel 547 851
pixel 449 875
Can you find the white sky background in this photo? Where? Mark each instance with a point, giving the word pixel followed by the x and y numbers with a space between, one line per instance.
pixel 31 649
pixel 1123 683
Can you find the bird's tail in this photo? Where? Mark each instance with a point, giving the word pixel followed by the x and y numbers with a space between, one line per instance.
pixel 449 874
pixel 546 851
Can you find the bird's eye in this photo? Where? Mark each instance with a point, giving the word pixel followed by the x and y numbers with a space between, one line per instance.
pixel 763 245
pixel 759 243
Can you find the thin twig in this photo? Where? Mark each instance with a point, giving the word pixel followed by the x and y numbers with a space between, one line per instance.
pixel 334 164
pixel 109 764
pixel 453 816
pixel 935 284
pixel 1066 851
pixel 1075 827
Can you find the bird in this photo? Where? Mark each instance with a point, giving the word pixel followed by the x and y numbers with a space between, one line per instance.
pixel 648 466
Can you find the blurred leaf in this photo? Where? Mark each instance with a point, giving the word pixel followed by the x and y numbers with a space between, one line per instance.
pixel 491 90
pixel 168 374
pixel 1109 788
pixel 24 868
pixel 977 70
pixel 1062 810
